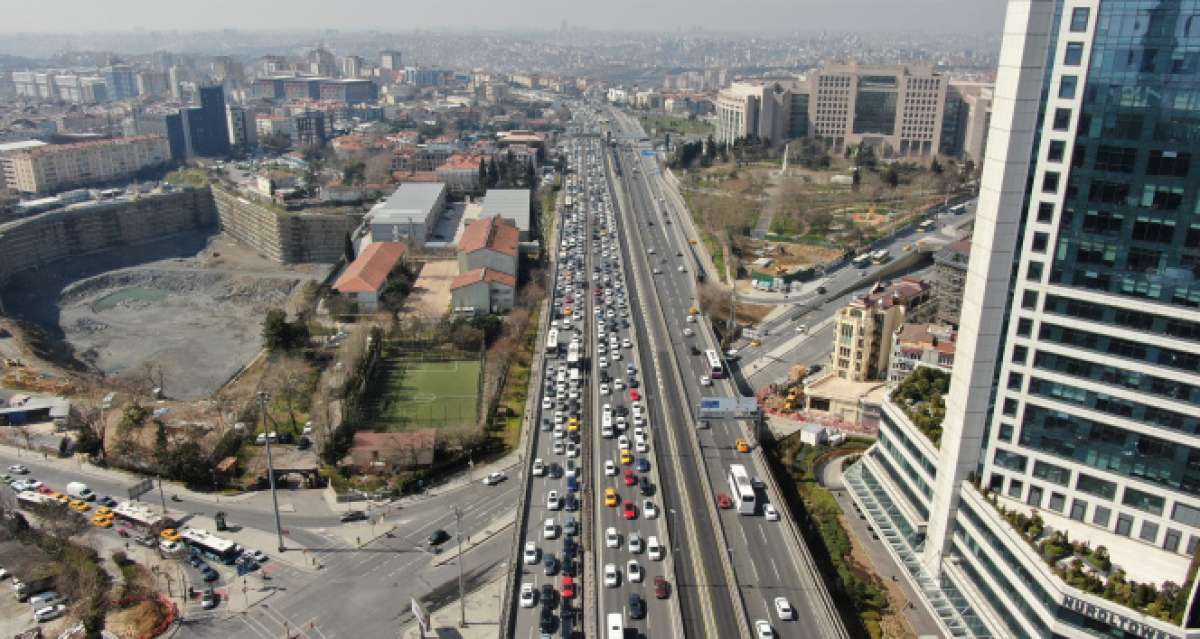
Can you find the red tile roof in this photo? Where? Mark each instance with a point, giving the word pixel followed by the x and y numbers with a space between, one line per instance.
pixel 484 274
pixel 461 161
pixel 412 449
pixel 494 233
pixel 368 273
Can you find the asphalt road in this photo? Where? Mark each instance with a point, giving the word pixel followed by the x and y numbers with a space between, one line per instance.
pixel 763 565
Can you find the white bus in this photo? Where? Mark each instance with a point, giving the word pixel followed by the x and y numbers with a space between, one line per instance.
pixel 552 341
pixel 211 545
pixel 716 369
pixel 615 625
pixel 741 489
pixel 573 354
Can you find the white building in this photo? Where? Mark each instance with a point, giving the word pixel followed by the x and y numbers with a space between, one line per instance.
pixel 410 213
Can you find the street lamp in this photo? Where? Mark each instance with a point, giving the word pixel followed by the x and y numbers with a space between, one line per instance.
pixel 263 397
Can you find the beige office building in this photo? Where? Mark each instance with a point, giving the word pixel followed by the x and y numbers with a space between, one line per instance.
pixel 48 169
pixel 896 109
pixel 759 109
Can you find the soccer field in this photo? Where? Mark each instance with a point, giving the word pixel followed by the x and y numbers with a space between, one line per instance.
pixel 417 394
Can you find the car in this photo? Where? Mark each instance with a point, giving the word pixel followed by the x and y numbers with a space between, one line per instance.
pixel 102 521
pixel 610 497
pixel 571 527
pixel 210 575
pixel 626 456
pixel 352 515
pixel 610 469
pixel 437 537
pixel 612 539
pixel 549 529
pixel 784 610
pixel 49 613
pixel 724 501
pixel 568 587
pixel 633 570
pixel 494 478
pixel 18 469
pixel 79 506
pixel 550 564
pixel 107 501
pixel 662 587
pixel 770 513
pixel 528 595
pixel 571 503
pixel 612 577
pixel 705 380
pixel 630 478
pixel 554 470
pixel 641 445
pixel 763 630
pixel 801 328
pixel 208 600
pixel 649 510
pixel 553 501
pixel 531 553
pixel 549 596
pixel 629 509
pixel 642 465
pixel 635 543
pixel 637 606
pixel 645 487
pixel 169 534
pixel 741 445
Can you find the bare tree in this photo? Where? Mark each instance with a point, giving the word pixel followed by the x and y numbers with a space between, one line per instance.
pixel 288 380
pixel 379 169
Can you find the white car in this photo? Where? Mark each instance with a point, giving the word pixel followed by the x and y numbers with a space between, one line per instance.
pixel 4 574
pixel 528 595
pixel 257 555
pixel 49 612
pixel 654 549
pixel 612 577
pixel 801 328
pixel 547 403
pixel 612 539
pixel 531 553
pixel 625 343
pixel 762 630
pixel 557 448
pixel 688 332
pixel 553 502
pixel 539 467
pixel 681 269
pixel 691 319
pixel 572 450
pixel 549 530
pixel 623 442
pixel 634 571
pixel 18 469
pixel 610 468
pixel 784 610
pixel 604 390
pixel 618 384
pixel 649 510
pixel 494 478
pixel 635 543
pixel 641 446
pixel 770 513
pixel 705 381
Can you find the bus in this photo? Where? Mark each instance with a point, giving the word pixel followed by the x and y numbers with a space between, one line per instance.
pixel 742 489
pixel 716 369
pixel 573 354
pixel 552 341
pixel 211 546
pixel 615 625
pixel 141 515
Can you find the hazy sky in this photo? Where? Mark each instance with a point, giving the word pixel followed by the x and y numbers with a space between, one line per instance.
pixel 65 16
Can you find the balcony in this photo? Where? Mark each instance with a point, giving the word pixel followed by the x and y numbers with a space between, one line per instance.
pixel 921 396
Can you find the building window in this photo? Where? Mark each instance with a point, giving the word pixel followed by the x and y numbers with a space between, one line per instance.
pixel 1019 354
pixel 1015 380
pixel 1052 473
pixel 1050 182
pixel 1095 486
pixel 1062 119
pixel 1011 461
pixel 1006 433
pixel 1078 509
pixel 1186 515
pixel 1057 502
pixel 1033 272
pixel 1193 541
pixel 1040 240
pixel 1014 488
pixel 1045 211
pixel 1143 501
pixel 1171 540
pixel 1056 150
pixel 1124 525
pixel 1029 300
pixel 1169 163
pixel 1066 87
pixel 1079 19
pixel 1073 56
pixel 1149 531
pixel 1010 406
pixel 1034 498
pixel 1101 516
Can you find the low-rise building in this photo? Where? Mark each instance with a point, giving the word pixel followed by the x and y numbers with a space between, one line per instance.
pixel 512 205
pixel 410 213
pixel 864 328
pixel 364 279
pixel 949 275
pixel 490 242
pixel 483 290
pixel 460 173
pixel 846 405
pixel 921 345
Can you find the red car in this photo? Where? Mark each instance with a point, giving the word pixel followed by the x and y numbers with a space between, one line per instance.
pixel 630 478
pixel 629 510
pixel 662 587
pixel 568 587
pixel 724 501
pixel 634 395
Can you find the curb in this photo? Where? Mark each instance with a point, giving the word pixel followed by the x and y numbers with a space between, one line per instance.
pixel 453 555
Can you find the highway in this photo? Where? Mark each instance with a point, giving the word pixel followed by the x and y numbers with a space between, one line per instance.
pixel 759 552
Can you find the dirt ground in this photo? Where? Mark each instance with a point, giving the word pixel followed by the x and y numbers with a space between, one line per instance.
pixel 784 253
pixel 893 624
pixel 430 296
pixel 191 304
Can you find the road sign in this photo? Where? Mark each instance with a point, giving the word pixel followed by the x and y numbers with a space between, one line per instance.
pixel 141 488
pixel 728 408
pixel 647 153
pixel 421 614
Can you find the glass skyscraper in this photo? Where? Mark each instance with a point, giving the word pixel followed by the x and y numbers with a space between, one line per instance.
pixel 1073 416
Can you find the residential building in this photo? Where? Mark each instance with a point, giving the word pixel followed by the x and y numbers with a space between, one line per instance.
pixel 168 125
pixel 364 278
pixel 206 125
pixel 48 169
pixel 490 242
pixel 352 66
pixel 1070 419
pixel 410 213
pixel 483 290
pixel 391 60
pixel 513 205
pixel 896 109
pixel 949 277
pixel 321 62
pixel 151 83
pixel 121 82
pixel 243 133
pixel 460 172
pixel 8 168
pixel 348 91
pixel 864 328
pixel 916 345
pixel 308 129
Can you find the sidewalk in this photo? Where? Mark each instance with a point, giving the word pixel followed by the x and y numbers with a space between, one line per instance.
pixel 507 464
pixel 482 615
pixel 494 527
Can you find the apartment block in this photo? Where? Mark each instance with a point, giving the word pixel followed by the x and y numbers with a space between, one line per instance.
pixel 864 329
pixel 48 169
pixel 916 345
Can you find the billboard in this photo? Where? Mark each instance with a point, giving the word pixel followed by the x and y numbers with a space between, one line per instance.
pixel 728 408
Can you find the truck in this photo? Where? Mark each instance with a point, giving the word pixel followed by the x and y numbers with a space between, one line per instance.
pixel 80 490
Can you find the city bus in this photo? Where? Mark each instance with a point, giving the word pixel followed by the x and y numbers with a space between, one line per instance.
pixel 141 515
pixel 716 369
pixel 552 341
pixel 741 489
pixel 211 546
pixel 573 354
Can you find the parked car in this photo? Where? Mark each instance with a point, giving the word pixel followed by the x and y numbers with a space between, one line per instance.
pixel 353 515
pixel 49 613
pixel 209 600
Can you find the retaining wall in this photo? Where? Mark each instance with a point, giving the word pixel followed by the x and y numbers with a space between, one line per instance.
pixel 284 236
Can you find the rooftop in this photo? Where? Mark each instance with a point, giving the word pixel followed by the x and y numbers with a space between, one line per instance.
pixel 59 148
pixel 410 202
pixel 413 447
pixel 460 161
pixel 21 146
pixel 899 293
pixel 510 204
pixel 835 387
pixel 922 397
pixel 495 233
pixel 369 272
pixel 474 276
pixel 937 336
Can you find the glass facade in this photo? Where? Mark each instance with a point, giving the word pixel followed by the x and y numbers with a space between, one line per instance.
pixel 875 105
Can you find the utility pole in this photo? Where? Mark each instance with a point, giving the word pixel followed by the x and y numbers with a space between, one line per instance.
pixel 462 602
pixel 162 498
pixel 263 397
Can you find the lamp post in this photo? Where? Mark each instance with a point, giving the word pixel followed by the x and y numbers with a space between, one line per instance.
pixel 462 603
pixel 263 397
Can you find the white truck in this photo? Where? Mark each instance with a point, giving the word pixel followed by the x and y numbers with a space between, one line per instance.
pixel 80 490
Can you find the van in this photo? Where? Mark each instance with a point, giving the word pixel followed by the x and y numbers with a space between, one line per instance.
pixel 615 625
pixel 80 490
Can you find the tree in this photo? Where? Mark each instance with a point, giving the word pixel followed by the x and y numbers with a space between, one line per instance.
pixel 64 446
pixel 275 330
pixel 289 380
pixel 348 249
pixel 891 177
pixel 378 169
pixel 935 166
pixel 277 143
pixel 483 174
pixel 493 174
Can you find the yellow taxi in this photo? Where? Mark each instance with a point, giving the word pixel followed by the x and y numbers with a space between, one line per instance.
pixel 626 456
pixel 170 534
pixel 567 311
pixel 61 497
pixel 755 343
pixel 79 506
pixel 742 446
pixel 102 521
pixel 573 424
pixel 104 510
pixel 610 497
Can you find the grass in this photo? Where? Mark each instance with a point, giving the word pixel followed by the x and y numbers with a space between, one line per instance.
pixel 414 394
pixel 921 396
pixel 516 388
pixel 674 125
pixel 714 250
pixel 188 176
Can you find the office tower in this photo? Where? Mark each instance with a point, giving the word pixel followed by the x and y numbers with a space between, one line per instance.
pixel 352 66
pixel 207 128
pixel 1071 419
pixel 175 77
pixel 390 60
pixel 121 82
pixel 242 132
pixel 895 108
